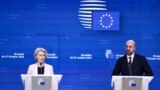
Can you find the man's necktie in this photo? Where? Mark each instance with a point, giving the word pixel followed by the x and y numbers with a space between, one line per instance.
pixel 130 62
pixel 129 65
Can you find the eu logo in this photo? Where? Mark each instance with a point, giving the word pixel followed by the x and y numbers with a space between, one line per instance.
pixel 103 20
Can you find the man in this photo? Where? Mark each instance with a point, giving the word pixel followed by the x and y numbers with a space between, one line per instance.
pixel 132 63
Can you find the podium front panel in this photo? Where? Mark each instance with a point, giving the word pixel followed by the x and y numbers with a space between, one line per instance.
pixel 132 83
pixel 41 83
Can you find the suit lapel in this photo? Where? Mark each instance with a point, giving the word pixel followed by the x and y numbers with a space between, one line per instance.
pixel 36 69
pixel 45 68
pixel 134 61
pixel 126 62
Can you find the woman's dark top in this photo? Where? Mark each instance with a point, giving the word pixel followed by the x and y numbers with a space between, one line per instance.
pixel 41 70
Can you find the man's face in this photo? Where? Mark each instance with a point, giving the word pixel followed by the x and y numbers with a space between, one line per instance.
pixel 130 48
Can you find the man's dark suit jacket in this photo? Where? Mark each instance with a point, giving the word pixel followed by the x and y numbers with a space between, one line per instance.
pixel 139 67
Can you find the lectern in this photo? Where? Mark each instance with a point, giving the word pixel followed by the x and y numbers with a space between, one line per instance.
pixel 41 82
pixel 130 82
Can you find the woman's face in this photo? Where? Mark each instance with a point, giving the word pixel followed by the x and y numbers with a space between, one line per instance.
pixel 40 57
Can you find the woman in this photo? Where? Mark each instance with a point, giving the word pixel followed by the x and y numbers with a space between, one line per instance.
pixel 40 67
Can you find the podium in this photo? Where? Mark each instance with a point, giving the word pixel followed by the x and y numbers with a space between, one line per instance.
pixel 41 82
pixel 130 82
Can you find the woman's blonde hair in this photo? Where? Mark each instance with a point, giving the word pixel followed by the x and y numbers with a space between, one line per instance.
pixel 40 49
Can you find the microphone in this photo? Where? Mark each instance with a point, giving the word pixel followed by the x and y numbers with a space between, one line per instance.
pixel 130 72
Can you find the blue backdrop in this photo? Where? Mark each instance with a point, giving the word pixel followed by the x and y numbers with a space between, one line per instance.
pixel 85 57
